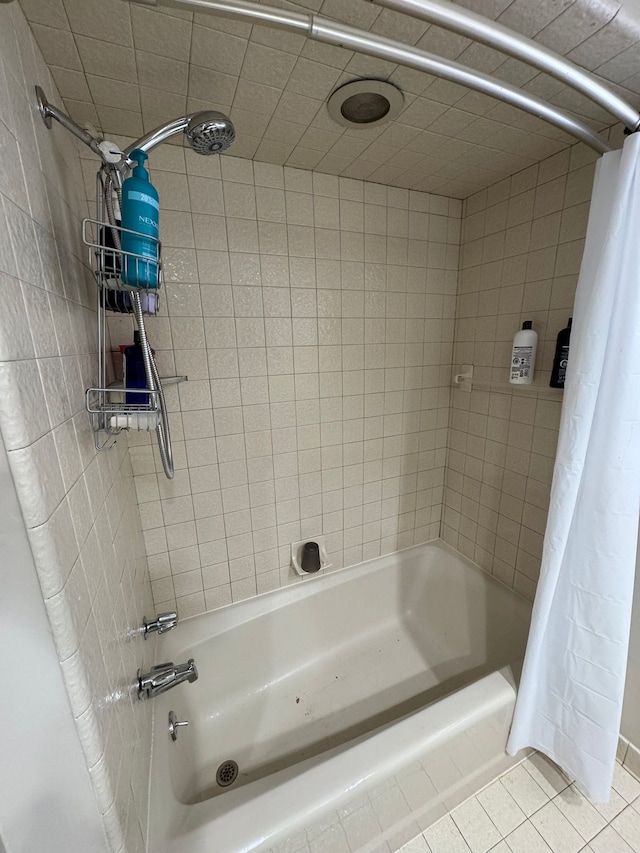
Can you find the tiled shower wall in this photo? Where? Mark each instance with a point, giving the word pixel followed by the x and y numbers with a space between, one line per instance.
pixel 314 318
pixel 79 507
pixel 520 258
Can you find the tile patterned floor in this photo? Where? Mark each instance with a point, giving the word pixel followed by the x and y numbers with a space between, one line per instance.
pixel 534 808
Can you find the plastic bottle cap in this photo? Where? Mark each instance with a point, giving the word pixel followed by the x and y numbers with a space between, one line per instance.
pixel 528 324
pixel 569 323
pixel 136 338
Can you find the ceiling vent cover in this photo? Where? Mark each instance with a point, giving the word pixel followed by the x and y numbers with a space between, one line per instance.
pixel 365 103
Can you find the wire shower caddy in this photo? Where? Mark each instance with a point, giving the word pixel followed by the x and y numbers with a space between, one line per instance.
pixel 110 406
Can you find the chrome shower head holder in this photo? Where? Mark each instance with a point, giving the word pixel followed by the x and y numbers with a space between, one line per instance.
pixel 44 108
pixel 49 112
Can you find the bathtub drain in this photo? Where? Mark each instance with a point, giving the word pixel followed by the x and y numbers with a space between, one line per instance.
pixel 227 773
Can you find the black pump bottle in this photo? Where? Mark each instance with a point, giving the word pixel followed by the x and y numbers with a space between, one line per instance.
pixel 561 357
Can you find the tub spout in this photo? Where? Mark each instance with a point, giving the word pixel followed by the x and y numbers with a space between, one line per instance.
pixel 164 676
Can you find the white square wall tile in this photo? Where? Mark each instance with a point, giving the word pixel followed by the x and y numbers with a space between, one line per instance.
pixel 84 503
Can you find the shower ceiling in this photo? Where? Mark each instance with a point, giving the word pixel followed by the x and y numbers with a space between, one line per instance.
pixel 127 68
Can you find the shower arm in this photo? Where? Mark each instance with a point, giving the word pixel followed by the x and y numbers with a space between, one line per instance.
pixel 146 143
pixel 484 30
pixel 48 112
pixel 331 32
pixel 157 135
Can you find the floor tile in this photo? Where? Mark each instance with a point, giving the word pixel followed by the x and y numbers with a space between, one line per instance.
pixel 608 841
pixel 525 790
pixel 526 839
pixel 556 830
pixel 534 808
pixel 418 845
pixel 476 827
pixel 627 824
pixel 625 784
pixel 501 808
pixel 547 774
pixel 615 805
pixel 583 816
pixel 445 837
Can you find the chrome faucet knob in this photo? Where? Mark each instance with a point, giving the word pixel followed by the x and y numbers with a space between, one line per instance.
pixel 163 622
pixel 174 722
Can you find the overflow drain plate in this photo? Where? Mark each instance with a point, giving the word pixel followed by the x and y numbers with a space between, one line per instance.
pixel 227 773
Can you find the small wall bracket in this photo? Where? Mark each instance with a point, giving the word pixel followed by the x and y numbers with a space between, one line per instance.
pixel 464 379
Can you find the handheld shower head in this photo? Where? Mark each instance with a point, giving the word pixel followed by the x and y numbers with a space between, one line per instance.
pixel 210 132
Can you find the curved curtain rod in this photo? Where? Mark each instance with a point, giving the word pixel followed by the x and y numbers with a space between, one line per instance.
pixel 481 29
pixel 330 32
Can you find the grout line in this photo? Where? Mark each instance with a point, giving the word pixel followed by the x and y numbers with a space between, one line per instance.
pixel 468 839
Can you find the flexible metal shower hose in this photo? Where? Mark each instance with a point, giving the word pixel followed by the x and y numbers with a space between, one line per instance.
pixel 153 379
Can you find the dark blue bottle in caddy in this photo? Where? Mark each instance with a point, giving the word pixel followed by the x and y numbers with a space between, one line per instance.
pixel 134 372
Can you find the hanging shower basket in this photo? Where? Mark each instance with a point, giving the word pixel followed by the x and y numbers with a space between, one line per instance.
pixel 110 413
pixel 110 406
pixel 113 266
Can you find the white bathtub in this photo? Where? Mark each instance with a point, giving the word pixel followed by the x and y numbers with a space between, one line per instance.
pixel 361 705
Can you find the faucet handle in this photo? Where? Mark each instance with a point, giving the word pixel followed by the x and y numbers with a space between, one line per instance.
pixel 174 723
pixel 163 622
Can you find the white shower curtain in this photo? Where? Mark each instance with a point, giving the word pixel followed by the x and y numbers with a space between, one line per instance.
pixel 570 697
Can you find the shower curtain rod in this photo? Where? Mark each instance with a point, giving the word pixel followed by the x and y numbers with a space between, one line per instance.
pixel 331 32
pixel 481 29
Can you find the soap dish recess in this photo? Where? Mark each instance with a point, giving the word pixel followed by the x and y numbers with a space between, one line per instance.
pixel 296 555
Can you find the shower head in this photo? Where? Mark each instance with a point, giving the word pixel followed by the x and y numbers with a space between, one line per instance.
pixel 210 132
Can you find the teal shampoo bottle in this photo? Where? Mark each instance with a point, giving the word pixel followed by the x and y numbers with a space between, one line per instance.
pixel 140 213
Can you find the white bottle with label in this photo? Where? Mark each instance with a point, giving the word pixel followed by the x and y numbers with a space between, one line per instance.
pixel 523 355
